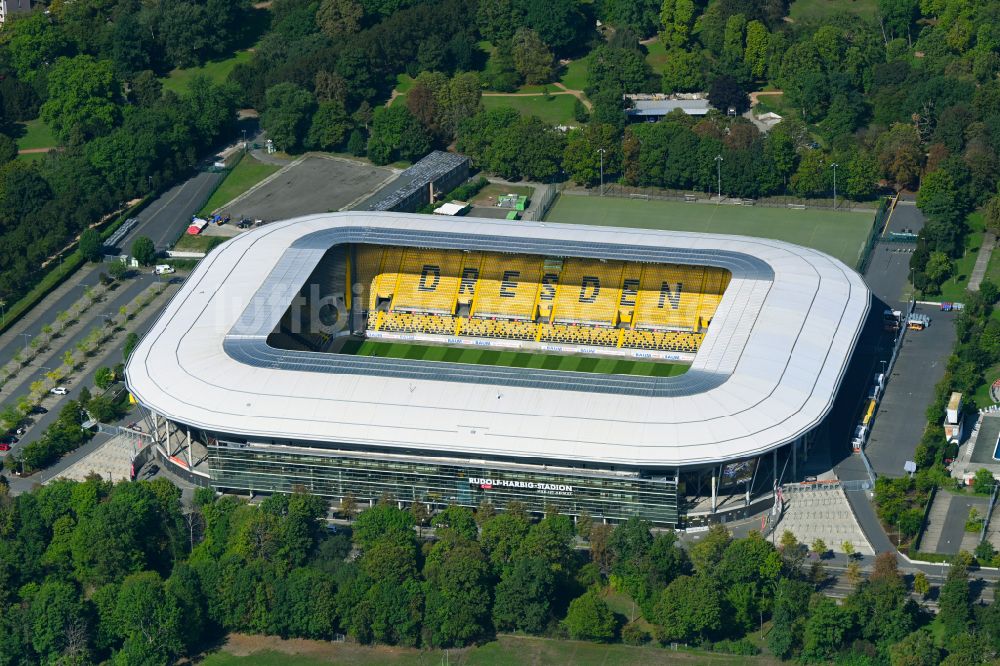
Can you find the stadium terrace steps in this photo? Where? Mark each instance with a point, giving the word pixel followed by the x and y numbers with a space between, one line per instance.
pixel 611 304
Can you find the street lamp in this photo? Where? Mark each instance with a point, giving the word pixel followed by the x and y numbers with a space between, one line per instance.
pixel 835 165
pixel 602 151
pixel 26 337
pixel 718 164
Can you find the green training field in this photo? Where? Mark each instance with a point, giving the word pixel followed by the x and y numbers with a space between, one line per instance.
pixel 841 234
pixel 216 71
pixel 427 352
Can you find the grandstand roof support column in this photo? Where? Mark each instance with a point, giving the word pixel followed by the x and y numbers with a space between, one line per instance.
pixel 795 458
pixel 190 464
pixel 715 490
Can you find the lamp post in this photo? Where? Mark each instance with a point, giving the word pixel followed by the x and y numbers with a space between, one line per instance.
pixel 834 166
pixel 26 337
pixel 601 151
pixel 718 164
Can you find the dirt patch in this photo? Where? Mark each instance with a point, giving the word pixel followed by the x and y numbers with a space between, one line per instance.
pixel 242 645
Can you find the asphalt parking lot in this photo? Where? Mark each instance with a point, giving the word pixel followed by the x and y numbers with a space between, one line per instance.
pixel 313 185
pixel 900 421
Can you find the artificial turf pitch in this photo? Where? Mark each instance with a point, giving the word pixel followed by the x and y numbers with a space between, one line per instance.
pixel 841 234
pixel 595 364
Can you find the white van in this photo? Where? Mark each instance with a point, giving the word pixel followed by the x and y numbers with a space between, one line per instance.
pixel 163 269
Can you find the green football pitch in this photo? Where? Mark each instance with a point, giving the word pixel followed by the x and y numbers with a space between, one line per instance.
pixel 840 234
pixel 427 352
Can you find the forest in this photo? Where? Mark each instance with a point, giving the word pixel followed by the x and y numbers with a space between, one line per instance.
pixel 93 572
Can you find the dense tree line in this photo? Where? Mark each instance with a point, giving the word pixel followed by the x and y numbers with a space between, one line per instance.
pixel 92 571
pixel 89 69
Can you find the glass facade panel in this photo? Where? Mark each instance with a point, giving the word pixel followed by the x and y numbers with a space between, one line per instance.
pixel 335 474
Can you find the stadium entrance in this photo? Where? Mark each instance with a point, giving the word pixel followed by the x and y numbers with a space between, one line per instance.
pixel 605 494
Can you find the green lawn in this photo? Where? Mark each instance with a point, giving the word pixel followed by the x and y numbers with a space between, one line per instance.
pixel 805 10
pixel 656 55
pixel 192 243
pixel 245 175
pixel 428 352
pixel 36 135
pixel 575 74
pixel 216 71
pixel 31 157
pixel 840 234
pixel 954 289
pixel 504 651
pixel 555 110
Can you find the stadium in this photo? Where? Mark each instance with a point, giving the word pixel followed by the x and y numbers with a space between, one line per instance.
pixel 620 372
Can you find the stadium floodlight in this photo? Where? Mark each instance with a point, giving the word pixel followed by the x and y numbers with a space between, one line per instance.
pixel 835 165
pixel 718 162
pixel 602 151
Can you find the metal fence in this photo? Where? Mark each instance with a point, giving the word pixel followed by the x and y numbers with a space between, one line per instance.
pixel 874 234
pixel 545 196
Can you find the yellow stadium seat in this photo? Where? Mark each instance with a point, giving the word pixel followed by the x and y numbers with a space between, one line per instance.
pixel 589 291
pixel 668 297
pixel 368 259
pixel 428 281
pixel 507 286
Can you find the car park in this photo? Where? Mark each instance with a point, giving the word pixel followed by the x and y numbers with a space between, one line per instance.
pixel 59 390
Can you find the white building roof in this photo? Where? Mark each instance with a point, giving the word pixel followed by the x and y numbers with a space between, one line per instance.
pixel 767 372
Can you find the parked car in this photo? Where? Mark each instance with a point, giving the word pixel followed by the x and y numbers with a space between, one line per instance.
pixel 164 269
pixel 9 440
pixel 38 409
pixel 59 390
pixel 4 446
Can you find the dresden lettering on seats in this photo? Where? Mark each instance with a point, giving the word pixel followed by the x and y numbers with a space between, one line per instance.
pixel 673 297
pixel 429 271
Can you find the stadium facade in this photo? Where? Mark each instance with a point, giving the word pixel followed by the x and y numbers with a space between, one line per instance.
pixel 249 386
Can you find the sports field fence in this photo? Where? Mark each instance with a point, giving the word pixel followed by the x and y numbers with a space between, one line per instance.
pixel 692 196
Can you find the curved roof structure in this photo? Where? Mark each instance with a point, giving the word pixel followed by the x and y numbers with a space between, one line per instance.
pixel 767 372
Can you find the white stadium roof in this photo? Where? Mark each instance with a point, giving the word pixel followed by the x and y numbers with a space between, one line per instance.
pixel 767 372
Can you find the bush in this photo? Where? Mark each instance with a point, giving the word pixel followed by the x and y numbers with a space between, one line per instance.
pixel 985 552
pixel 633 634
pixel 590 619
pixel 743 647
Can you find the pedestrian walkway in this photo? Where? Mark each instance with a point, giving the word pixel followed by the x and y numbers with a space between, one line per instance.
pixel 822 514
pixel 982 260
pixel 112 461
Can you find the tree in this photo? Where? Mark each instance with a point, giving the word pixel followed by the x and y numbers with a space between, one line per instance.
pixel 677 18
pixel 939 197
pixel 683 71
pixel 501 537
pixel 898 154
pixel 118 270
pixel 861 177
pixel 524 596
pixel 90 245
pixel 954 604
pixel 983 481
pixel 791 606
pixel 921 585
pixel 8 149
pixel 287 113
pixel 144 251
pixel 379 522
pixel 396 134
pixel 939 268
pixel 104 377
pixel 590 619
pixel 819 547
pixel 83 94
pixel 727 93
pixel 329 126
pixel 757 43
pixel 991 213
pixel 848 549
pixel 917 649
pixel 145 613
pixel 688 608
pixel 131 341
pixel 146 89
pixel 589 148
pixel 336 18
pixel 560 23
pixel 56 606
pixel 824 630
pixel 459 520
pixel 457 580
pixel 532 59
